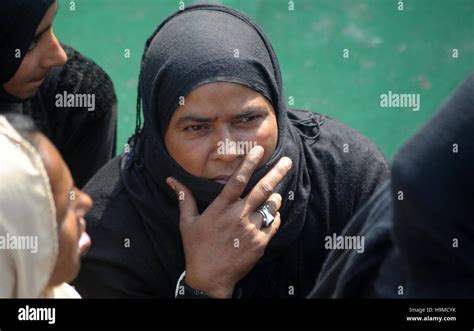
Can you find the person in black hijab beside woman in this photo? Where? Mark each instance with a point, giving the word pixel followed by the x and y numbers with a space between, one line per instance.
pixel 173 203
pixel 418 228
pixel 35 69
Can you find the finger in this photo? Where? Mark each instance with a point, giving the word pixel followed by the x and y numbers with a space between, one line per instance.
pixel 267 184
pixel 274 204
pixel 235 186
pixel 272 229
pixel 187 204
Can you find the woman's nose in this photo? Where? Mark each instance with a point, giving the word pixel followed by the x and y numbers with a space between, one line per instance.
pixel 55 55
pixel 85 202
pixel 227 146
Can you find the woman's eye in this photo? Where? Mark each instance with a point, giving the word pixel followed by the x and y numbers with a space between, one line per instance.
pixel 249 119
pixel 195 128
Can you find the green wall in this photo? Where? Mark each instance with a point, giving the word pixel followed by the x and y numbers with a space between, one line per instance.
pixel 407 51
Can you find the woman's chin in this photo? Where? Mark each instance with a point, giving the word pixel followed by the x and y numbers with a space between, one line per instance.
pixel 27 93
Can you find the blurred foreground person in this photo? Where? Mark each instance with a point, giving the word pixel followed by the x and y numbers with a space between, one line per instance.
pixel 419 227
pixel 42 227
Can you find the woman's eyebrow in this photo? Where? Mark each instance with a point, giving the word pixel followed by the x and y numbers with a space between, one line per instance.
pixel 195 118
pixel 250 111
pixel 68 204
pixel 71 189
pixel 49 26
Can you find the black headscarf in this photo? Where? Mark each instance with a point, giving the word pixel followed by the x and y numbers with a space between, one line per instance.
pixel 19 20
pixel 191 48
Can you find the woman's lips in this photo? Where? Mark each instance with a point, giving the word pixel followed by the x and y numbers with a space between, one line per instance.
pixel 221 179
pixel 36 84
pixel 84 241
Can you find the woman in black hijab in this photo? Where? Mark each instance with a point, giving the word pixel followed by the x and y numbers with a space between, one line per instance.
pixel 190 62
pixel 35 68
pixel 418 228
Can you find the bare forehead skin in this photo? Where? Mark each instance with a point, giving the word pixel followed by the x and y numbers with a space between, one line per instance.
pixel 220 96
pixel 48 17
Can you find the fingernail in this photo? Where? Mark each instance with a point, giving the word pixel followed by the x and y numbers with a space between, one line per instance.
pixel 286 162
pixel 170 182
pixel 257 151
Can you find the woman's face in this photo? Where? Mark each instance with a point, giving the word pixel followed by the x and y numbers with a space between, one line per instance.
pixel 45 52
pixel 71 207
pixel 216 126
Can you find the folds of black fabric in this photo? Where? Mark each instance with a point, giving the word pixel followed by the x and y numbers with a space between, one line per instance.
pixel 419 228
pixel 434 223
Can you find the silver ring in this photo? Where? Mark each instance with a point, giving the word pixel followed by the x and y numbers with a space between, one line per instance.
pixel 267 216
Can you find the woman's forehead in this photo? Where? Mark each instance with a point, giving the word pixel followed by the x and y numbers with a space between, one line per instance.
pixel 221 97
pixel 48 18
pixel 223 92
